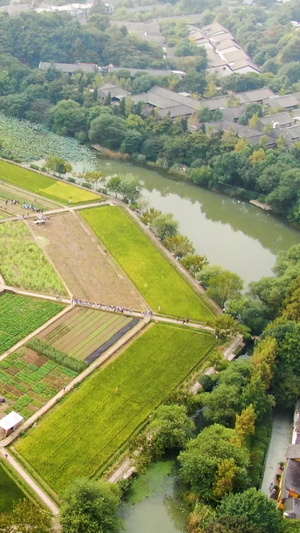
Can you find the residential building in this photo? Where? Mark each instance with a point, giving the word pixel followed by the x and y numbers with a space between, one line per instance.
pixel 69 68
pixel 116 93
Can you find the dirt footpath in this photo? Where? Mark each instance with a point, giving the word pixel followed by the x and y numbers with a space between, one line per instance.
pixel 86 267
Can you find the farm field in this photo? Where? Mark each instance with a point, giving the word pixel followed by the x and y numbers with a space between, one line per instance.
pixel 111 405
pixel 10 492
pixel 157 280
pixel 9 193
pixel 28 380
pixel 41 184
pixel 81 332
pixel 23 264
pixel 89 272
pixel 20 315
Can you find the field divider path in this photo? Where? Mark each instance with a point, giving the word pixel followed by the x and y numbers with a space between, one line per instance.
pixel 30 481
pixel 34 333
pixel 98 363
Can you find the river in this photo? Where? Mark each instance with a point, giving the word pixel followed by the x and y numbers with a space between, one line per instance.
pixel 154 503
pixel 233 234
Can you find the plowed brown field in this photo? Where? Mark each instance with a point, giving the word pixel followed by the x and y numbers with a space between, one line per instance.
pixel 85 266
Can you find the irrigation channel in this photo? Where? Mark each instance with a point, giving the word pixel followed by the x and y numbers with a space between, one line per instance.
pixel 235 235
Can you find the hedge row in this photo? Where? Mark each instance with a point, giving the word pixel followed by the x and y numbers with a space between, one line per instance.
pixel 59 357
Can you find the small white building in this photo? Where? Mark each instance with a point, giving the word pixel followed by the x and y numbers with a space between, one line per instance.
pixel 10 422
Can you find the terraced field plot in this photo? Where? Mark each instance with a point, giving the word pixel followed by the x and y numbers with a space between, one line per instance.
pixel 41 184
pixel 156 278
pixel 81 332
pixel 10 492
pixel 82 435
pixel 21 315
pixel 23 264
pixel 28 380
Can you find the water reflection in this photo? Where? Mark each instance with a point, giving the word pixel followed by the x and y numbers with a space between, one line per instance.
pixel 233 234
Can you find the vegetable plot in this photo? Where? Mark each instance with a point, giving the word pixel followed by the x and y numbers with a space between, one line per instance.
pixel 20 315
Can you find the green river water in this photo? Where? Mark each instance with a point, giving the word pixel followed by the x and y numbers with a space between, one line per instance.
pixel 154 504
pixel 235 235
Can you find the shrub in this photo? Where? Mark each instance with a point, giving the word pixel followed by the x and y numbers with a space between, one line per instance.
pixel 59 357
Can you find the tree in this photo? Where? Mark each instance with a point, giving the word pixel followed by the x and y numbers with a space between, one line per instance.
pixel 170 428
pixel 226 325
pixel 179 245
pixel 132 142
pixel 245 424
pixel 222 285
pixel 200 462
pixel 201 175
pixel 165 226
pixel 264 360
pixel 91 507
pixel 108 130
pixel 232 524
pixel 194 263
pixel 128 187
pixel 255 507
pixel 67 118
pixel 57 165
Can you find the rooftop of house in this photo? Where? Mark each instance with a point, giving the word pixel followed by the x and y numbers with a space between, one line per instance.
pixel 151 72
pixel 293 451
pixel 291 478
pixel 257 95
pixel 232 57
pixel 241 131
pixel 114 90
pixel 69 68
pixel 214 60
pixel 175 111
pixel 286 101
pixel 242 63
pixel 226 44
pixel 214 29
pixel 281 118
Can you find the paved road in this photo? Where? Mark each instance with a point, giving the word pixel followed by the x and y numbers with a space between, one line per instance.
pixel 30 481
pixel 280 439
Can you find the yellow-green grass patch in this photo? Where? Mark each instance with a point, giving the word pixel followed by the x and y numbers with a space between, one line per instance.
pixel 23 264
pixel 44 185
pixel 81 436
pixel 162 286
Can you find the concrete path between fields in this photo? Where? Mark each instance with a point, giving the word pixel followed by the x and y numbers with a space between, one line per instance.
pixel 30 481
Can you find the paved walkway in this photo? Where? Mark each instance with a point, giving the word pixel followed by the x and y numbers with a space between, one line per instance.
pixel 30 481
pixel 280 439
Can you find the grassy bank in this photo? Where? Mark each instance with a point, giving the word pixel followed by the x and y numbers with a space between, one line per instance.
pixel 111 405
pixel 155 277
pixel 44 185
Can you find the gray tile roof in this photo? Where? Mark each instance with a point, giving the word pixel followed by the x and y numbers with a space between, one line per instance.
pixel 69 68
pixel 281 118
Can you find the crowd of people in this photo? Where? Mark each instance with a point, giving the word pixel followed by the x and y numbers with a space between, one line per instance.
pixel 31 207
pixel 114 308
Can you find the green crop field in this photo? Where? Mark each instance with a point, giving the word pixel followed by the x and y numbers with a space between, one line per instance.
pixel 81 436
pixel 157 280
pixel 81 331
pixel 23 263
pixel 20 315
pixel 10 492
pixel 41 184
pixel 28 380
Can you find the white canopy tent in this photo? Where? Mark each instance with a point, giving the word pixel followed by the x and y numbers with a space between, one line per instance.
pixel 11 422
